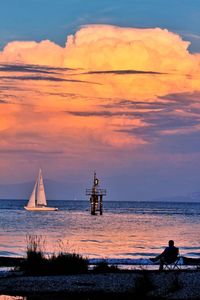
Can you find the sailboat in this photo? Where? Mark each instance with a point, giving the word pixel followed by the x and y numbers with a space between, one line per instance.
pixel 37 200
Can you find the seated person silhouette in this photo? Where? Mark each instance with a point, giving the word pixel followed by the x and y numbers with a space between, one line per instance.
pixel 168 256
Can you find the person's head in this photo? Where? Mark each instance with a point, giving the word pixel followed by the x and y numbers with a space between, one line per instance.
pixel 171 243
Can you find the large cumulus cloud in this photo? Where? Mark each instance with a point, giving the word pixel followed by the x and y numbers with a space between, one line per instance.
pixel 106 47
pixel 112 96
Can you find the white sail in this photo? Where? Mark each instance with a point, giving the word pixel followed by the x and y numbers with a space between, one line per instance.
pixel 37 200
pixel 40 197
pixel 31 202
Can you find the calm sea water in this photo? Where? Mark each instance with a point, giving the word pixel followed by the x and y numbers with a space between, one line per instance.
pixel 126 230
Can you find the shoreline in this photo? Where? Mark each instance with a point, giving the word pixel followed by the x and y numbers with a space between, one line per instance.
pixel 9 261
pixel 182 284
pixel 141 283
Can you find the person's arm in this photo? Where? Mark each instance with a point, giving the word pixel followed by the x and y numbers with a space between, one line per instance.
pixel 160 255
pixel 164 252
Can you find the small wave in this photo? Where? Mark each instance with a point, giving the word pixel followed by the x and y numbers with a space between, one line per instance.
pixel 120 261
pixel 194 253
pixel 91 241
pixel 126 261
pixel 137 254
pixel 7 253
pixel 190 248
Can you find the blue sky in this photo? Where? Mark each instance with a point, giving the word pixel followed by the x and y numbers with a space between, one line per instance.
pixel 54 20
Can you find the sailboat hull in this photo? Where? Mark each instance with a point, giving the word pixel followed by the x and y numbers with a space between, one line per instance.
pixel 42 208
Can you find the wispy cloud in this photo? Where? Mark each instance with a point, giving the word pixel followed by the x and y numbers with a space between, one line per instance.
pixel 3 101
pixel 190 35
pixel 124 72
pixel 29 68
pixel 104 114
pixel 44 78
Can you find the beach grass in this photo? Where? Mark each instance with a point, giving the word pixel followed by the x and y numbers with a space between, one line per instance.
pixel 62 263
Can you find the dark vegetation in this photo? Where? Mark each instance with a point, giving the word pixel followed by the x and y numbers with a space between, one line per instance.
pixel 36 263
pixel 103 267
pixel 63 263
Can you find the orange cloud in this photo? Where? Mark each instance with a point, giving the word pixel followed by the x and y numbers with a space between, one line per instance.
pixel 112 48
pixel 106 47
pixel 103 47
pixel 109 92
pixel 30 52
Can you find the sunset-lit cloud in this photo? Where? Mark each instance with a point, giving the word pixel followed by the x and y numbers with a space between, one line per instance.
pixel 106 47
pixel 110 97
pixel 112 48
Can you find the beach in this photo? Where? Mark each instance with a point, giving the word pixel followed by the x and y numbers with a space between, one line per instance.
pixel 184 284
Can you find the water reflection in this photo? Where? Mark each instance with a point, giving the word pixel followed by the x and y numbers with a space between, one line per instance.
pixel 126 230
pixel 113 235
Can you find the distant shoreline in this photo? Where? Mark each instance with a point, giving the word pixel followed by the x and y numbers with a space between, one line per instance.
pixel 161 200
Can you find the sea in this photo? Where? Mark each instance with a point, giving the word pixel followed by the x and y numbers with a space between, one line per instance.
pixel 127 232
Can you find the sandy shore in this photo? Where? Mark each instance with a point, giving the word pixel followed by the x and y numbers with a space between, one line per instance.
pixel 143 284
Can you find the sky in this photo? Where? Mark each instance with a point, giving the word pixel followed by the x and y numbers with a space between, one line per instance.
pixel 111 86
